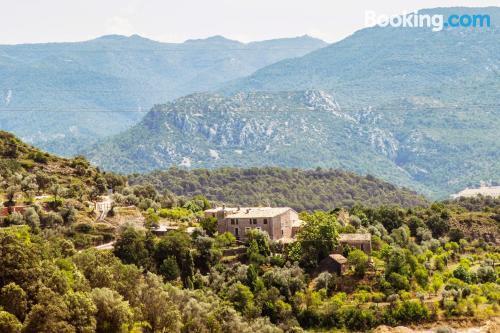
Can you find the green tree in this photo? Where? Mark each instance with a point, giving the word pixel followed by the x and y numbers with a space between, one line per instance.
pixel 14 300
pixel 209 224
pixel 169 268
pixel 82 311
pixel 241 296
pixel 49 315
pixel 317 237
pixel 157 307
pixel 113 313
pixel 359 260
pixel 130 247
pixel 9 323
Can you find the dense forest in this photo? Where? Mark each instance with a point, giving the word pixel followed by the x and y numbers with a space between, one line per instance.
pixel 427 264
pixel 271 186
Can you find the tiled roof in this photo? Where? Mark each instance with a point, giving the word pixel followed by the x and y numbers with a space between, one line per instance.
pixel 250 212
pixel 257 212
pixel 338 258
pixel 355 237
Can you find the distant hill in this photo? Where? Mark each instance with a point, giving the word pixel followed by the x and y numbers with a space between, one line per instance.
pixel 414 107
pixel 301 189
pixel 59 95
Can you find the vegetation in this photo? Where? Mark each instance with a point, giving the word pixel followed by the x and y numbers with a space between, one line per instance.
pixel 426 264
pixel 300 189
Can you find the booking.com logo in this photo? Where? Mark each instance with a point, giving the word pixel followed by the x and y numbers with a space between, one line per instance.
pixel 436 21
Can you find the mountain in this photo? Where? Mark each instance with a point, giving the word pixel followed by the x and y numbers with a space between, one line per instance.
pixel 323 189
pixel 412 106
pixel 62 95
pixel 303 129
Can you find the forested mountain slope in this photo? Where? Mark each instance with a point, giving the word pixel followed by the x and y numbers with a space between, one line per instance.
pixel 299 189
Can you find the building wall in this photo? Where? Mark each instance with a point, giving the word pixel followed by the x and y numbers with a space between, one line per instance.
pixel 277 227
pixel 365 246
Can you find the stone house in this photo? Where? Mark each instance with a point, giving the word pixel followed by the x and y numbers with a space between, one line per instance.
pixel 334 263
pixel 281 223
pixel 359 241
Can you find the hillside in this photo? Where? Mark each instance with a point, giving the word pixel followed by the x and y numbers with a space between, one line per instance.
pixel 424 265
pixel 62 95
pixel 299 189
pixel 395 103
pixel 19 161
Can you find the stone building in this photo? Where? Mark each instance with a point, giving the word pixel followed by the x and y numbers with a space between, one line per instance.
pixel 281 223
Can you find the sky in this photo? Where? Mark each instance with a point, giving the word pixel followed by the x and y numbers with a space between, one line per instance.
pixel 35 21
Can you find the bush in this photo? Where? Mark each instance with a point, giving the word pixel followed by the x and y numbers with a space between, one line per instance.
pixel 359 260
pixel 486 274
pixel 176 213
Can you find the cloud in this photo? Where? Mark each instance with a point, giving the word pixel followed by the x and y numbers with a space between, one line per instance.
pixel 120 25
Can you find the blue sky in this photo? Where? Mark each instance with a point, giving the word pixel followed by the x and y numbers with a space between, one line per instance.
pixel 29 21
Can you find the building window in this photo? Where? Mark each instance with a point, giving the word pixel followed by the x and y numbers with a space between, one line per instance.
pixel 232 221
pixel 254 221
pixel 265 221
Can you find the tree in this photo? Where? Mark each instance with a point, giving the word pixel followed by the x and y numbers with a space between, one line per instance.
pixel 43 180
pixel 169 268
pixel 187 270
pixel 10 194
pixel 14 300
pixel 486 274
pixel 438 225
pixel 157 307
pixel 14 218
pixel 113 313
pixel 462 273
pixel 209 224
pixel 327 281
pixel 241 296
pixel 317 238
pixel 130 247
pixel 359 260
pixel 390 217
pixel 49 315
pixel 207 254
pixel 56 190
pixel 32 219
pixel 253 253
pixel 81 311
pixel 51 219
pixel 398 281
pixel 9 323
pixel 422 277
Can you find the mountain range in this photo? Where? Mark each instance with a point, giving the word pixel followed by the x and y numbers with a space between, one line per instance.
pixel 413 106
pixel 61 96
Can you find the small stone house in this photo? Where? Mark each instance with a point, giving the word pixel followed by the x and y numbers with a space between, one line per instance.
pixel 334 263
pixel 359 241
pixel 281 223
